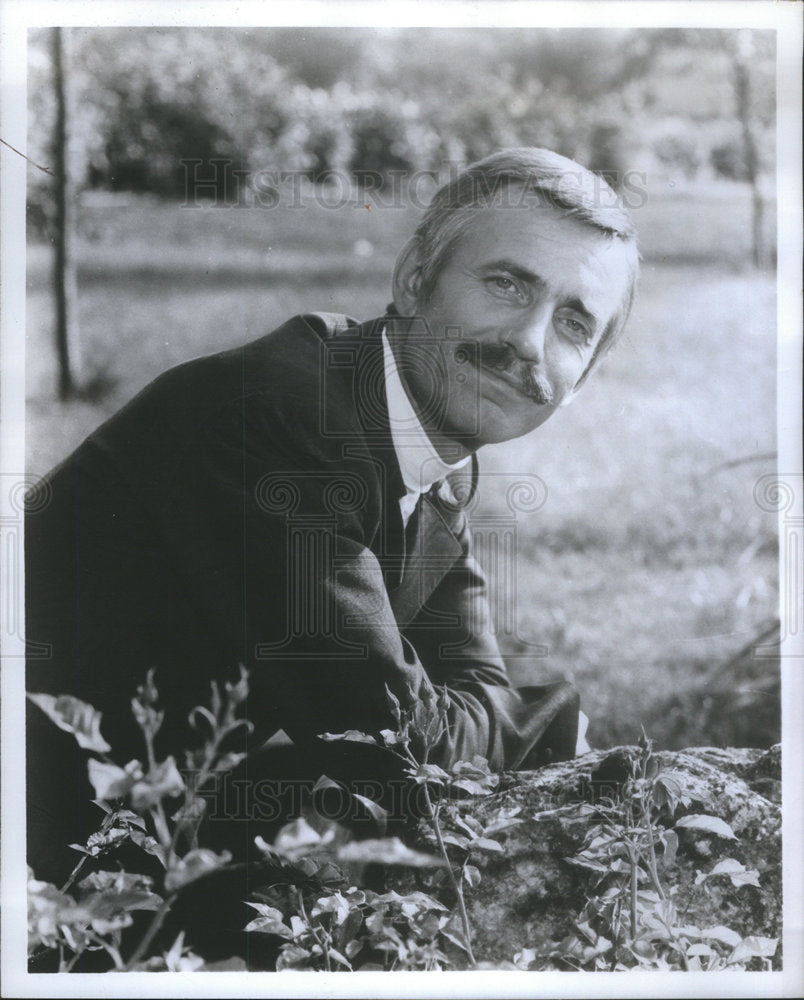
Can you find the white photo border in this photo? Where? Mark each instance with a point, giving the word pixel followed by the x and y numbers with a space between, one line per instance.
pixel 16 16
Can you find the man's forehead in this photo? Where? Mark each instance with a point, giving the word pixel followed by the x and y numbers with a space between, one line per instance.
pixel 547 243
pixel 526 223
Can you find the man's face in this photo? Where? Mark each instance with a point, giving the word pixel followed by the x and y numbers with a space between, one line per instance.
pixel 513 321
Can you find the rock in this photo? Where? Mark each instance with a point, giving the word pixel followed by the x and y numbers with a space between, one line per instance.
pixel 530 896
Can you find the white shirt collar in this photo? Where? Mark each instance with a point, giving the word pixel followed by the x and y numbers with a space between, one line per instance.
pixel 419 462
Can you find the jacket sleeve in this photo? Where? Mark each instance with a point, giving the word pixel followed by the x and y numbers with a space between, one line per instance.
pixel 526 725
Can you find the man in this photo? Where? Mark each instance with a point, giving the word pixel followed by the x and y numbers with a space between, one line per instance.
pixel 287 506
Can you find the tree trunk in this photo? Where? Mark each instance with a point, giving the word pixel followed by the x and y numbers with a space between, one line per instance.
pixel 65 288
pixel 742 87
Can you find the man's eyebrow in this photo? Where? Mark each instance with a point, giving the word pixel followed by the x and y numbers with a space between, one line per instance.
pixel 525 274
pixel 517 270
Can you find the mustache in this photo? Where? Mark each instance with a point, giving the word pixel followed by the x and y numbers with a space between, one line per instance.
pixel 526 374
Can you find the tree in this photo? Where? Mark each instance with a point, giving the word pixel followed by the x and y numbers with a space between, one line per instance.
pixel 65 285
pixel 743 51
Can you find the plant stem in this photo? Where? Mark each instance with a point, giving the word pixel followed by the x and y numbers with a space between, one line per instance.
pixel 74 873
pixel 166 840
pixel 70 965
pixel 654 872
pixel 111 951
pixel 458 889
pixel 106 825
pixel 633 895
pixel 151 932
pixel 645 804
pixel 314 931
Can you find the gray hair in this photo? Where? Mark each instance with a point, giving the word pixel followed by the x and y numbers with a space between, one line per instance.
pixel 532 175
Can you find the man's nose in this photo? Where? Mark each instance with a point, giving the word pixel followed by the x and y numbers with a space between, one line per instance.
pixel 528 337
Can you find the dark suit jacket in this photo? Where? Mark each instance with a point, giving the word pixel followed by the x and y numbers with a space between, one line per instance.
pixel 244 508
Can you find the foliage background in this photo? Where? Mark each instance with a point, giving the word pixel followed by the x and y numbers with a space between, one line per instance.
pixel 651 565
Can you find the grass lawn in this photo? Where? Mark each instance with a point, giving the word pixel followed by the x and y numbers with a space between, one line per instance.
pixel 648 565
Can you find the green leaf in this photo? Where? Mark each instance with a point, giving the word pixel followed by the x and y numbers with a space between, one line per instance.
pixel 745 878
pixel 340 958
pixel 350 736
pixel 162 781
pixel 393 704
pixel 110 781
pixel 298 838
pixel 74 716
pixel 269 921
pixel 353 947
pixel 587 931
pixel 51 913
pixel 420 899
pixel 471 786
pixel 149 845
pixel 128 818
pixel 484 844
pixel 453 931
pixel 375 810
pixel 193 865
pixel 120 882
pixel 707 824
pixel 583 862
pixel 468 823
pixel 387 851
pixel 233 964
pixel 753 947
pixel 293 957
pixel 428 773
pixel 442 701
pixel 669 789
pixel 696 950
pixel 114 922
pixel 229 761
pixel 471 876
pixel 103 841
pixel 237 692
pixel 452 838
pixel 474 776
pixel 181 959
pixel 504 820
pixel 393 739
pixel 738 873
pixel 334 904
pixel 725 935
pixel 108 899
pixel 669 841
pixel 525 958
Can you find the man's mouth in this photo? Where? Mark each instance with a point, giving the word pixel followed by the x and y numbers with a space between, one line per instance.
pixel 503 364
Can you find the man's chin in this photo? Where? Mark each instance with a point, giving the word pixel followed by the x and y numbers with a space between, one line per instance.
pixel 498 431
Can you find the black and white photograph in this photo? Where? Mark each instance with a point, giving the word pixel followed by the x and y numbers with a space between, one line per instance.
pixel 401 499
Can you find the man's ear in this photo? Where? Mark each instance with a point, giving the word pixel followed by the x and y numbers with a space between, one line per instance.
pixel 407 279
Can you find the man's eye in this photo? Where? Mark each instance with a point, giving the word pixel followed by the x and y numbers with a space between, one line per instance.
pixel 506 285
pixel 576 328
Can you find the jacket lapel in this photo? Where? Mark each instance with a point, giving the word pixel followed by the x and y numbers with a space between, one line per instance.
pixel 412 567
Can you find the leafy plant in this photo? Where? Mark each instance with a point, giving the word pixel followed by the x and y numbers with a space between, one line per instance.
pixel 323 921
pixel 147 805
pixel 632 918
pixel 422 727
